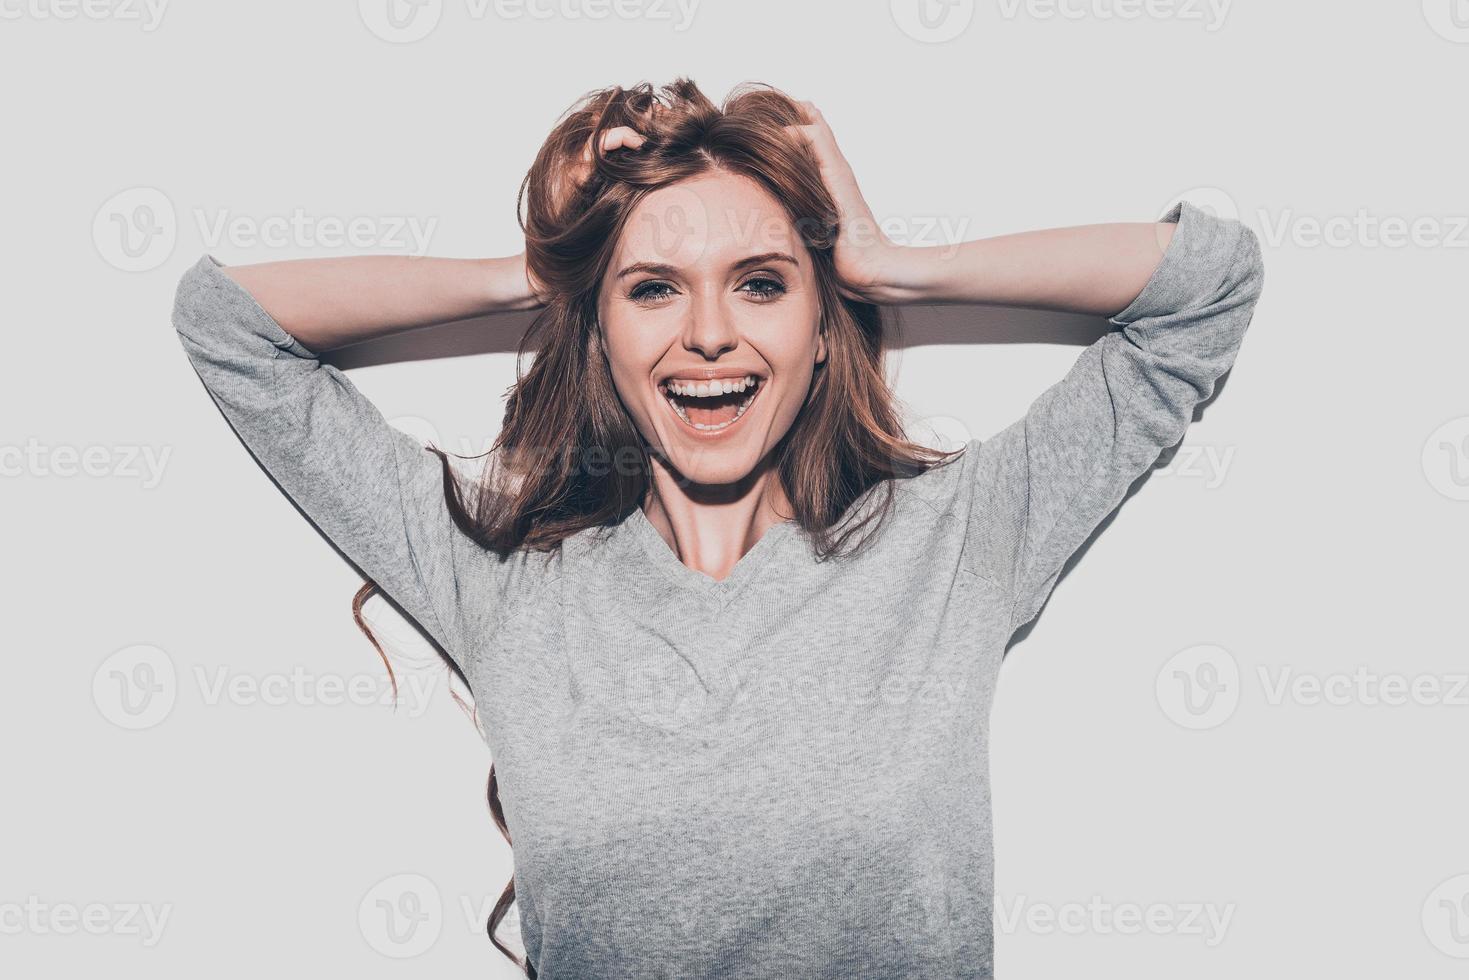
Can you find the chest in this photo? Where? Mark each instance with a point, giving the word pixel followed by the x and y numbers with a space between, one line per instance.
pixel 617 720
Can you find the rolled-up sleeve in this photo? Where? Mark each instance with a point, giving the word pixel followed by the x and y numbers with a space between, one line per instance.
pixel 1044 483
pixel 376 492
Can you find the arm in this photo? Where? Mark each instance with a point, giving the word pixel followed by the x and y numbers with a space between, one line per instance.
pixel 1096 269
pixel 328 303
pixel 374 491
pixel 1040 487
pixel 332 302
pixel 1182 291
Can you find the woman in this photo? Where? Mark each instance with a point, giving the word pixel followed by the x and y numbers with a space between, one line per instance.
pixel 734 737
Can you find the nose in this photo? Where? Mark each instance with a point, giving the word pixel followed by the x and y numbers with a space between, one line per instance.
pixel 710 330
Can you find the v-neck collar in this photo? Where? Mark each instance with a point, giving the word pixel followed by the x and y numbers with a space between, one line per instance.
pixel 749 565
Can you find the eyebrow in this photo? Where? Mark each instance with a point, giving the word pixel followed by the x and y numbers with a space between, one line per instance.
pixel 662 269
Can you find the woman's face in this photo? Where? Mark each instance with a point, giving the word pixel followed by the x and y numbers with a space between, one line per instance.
pixel 710 288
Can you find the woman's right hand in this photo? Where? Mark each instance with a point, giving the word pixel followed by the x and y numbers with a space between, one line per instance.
pixel 565 185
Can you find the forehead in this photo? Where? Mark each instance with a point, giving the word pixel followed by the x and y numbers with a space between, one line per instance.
pixel 706 221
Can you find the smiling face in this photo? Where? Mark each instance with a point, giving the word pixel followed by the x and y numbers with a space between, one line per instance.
pixel 712 323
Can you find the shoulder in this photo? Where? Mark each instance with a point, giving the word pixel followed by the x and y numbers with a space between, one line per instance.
pixel 943 487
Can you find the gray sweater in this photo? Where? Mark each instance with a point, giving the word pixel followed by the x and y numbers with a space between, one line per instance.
pixel 783 773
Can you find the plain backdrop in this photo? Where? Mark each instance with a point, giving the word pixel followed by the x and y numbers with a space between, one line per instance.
pixel 1232 745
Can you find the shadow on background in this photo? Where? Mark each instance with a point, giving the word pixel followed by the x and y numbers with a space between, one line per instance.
pixel 912 326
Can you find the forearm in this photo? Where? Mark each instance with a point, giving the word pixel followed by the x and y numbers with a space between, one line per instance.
pixel 332 302
pixel 1095 269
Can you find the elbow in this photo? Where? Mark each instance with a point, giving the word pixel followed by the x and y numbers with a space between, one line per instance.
pixel 1244 277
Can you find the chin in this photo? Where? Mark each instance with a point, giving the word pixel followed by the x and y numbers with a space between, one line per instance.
pixel 712 466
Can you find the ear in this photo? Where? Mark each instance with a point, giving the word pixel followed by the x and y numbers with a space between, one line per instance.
pixel 821 343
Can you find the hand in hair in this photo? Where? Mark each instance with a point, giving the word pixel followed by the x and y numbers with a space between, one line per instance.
pixel 574 174
pixel 863 252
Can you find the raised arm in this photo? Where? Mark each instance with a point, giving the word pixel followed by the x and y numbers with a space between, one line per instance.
pixel 1096 269
pixel 374 491
pixel 1182 292
pixel 1045 482
pixel 328 303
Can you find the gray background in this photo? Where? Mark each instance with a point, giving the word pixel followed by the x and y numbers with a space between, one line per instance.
pixel 194 728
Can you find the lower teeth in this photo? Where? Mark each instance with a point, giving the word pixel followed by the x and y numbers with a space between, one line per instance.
pixel 710 428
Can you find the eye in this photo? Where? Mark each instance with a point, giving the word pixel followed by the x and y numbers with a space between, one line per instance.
pixel 651 291
pixel 768 288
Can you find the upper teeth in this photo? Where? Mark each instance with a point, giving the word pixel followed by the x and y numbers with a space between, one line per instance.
pixel 706 389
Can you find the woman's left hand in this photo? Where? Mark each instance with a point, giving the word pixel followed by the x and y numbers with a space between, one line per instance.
pixel 864 255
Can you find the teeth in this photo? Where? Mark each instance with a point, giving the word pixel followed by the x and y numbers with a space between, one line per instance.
pixel 730 385
pixel 707 389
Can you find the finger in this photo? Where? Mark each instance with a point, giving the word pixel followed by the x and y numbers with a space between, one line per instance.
pixel 621 136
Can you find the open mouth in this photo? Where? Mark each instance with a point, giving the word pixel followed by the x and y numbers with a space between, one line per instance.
pixel 711 406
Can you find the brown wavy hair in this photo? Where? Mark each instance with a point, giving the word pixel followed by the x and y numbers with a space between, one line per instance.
pixel 848 436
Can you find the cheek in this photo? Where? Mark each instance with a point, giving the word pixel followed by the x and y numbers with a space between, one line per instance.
pixel 631 356
pixel 789 345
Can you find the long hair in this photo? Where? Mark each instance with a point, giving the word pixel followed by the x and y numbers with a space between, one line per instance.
pixel 848 437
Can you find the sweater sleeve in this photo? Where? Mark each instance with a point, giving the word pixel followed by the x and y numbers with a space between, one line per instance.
pixel 1050 478
pixel 376 492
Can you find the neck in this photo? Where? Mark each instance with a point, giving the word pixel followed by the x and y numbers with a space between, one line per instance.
pixel 711 527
